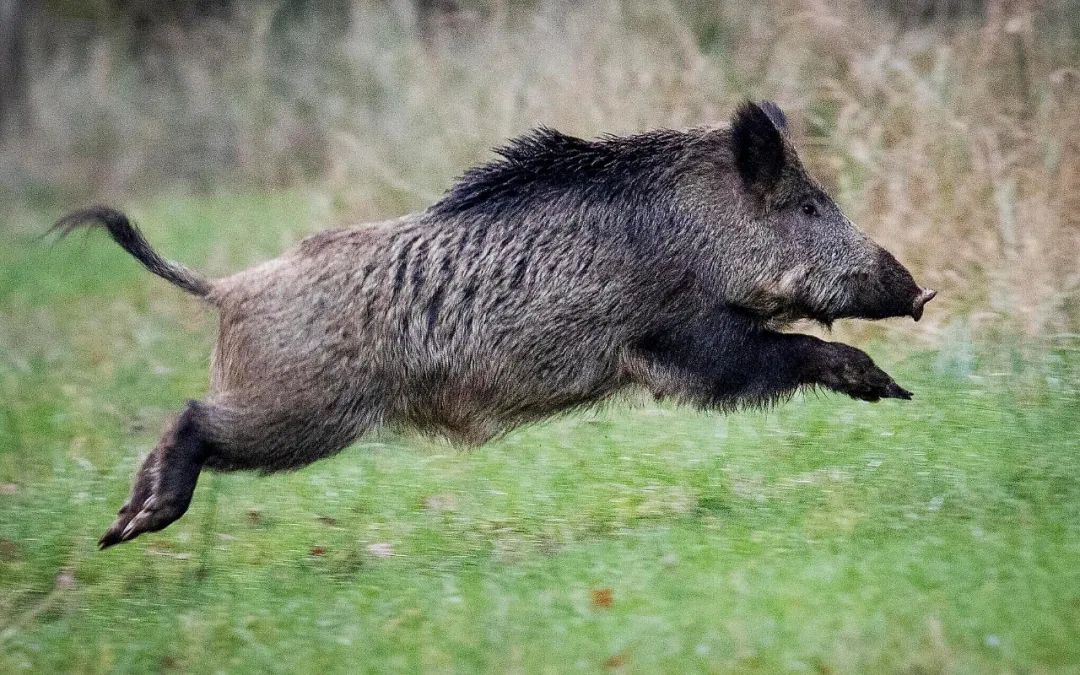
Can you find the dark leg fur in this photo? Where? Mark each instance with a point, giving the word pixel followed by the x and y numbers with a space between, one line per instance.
pixel 165 483
pixel 850 371
pixel 728 360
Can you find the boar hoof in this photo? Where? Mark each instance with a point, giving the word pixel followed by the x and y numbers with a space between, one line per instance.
pixel 850 371
pixel 154 515
pixel 164 484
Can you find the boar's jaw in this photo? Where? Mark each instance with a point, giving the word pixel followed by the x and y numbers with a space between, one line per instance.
pixel 779 305
pixel 880 299
pixel 801 294
pixel 796 311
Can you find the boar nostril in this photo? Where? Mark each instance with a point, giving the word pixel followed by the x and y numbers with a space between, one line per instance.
pixel 924 296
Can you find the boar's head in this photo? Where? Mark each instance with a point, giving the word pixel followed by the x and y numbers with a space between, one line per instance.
pixel 787 250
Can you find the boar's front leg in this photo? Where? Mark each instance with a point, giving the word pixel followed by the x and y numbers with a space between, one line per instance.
pixel 850 371
pixel 728 360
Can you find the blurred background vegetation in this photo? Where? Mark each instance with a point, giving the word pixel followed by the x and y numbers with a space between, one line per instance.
pixel 949 129
pixel 828 535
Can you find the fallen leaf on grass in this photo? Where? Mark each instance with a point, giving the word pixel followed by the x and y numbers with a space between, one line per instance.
pixel 9 550
pixel 615 661
pixel 318 551
pixel 602 598
pixel 823 668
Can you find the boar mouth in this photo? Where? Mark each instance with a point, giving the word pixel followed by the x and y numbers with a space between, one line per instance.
pixel 873 304
pixel 781 314
pixel 795 309
pixel 888 310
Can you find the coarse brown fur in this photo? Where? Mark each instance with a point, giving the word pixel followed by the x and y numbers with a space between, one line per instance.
pixel 554 277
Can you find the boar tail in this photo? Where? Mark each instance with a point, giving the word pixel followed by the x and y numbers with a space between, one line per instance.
pixel 125 233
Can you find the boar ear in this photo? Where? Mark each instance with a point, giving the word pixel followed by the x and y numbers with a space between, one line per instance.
pixel 756 137
pixel 775 114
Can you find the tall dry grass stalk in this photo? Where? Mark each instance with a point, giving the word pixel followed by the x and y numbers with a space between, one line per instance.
pixel 957 145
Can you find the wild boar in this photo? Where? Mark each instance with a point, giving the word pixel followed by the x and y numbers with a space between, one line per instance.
pixel 555 276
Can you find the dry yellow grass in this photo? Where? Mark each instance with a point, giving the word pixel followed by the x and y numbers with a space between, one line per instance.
pixel 956 144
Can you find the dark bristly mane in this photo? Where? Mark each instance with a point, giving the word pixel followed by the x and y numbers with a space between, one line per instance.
pixel 545 159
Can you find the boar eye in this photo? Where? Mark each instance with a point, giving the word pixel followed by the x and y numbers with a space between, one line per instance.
pixel 809 209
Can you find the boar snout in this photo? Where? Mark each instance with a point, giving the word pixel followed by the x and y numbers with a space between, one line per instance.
pixel 924 296
pixel 889 291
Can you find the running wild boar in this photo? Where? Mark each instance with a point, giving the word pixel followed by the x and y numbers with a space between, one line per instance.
pixel 555 276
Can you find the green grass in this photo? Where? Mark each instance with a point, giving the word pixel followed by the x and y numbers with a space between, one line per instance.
pixel 826 535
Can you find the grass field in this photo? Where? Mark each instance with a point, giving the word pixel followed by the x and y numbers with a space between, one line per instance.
pixel 826 535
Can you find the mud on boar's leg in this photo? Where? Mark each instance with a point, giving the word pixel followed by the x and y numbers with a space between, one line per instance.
pixel 165 483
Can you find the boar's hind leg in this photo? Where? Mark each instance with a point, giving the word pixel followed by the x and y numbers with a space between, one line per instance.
pixel 225 435
pixel 246 436
pixel 166 481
